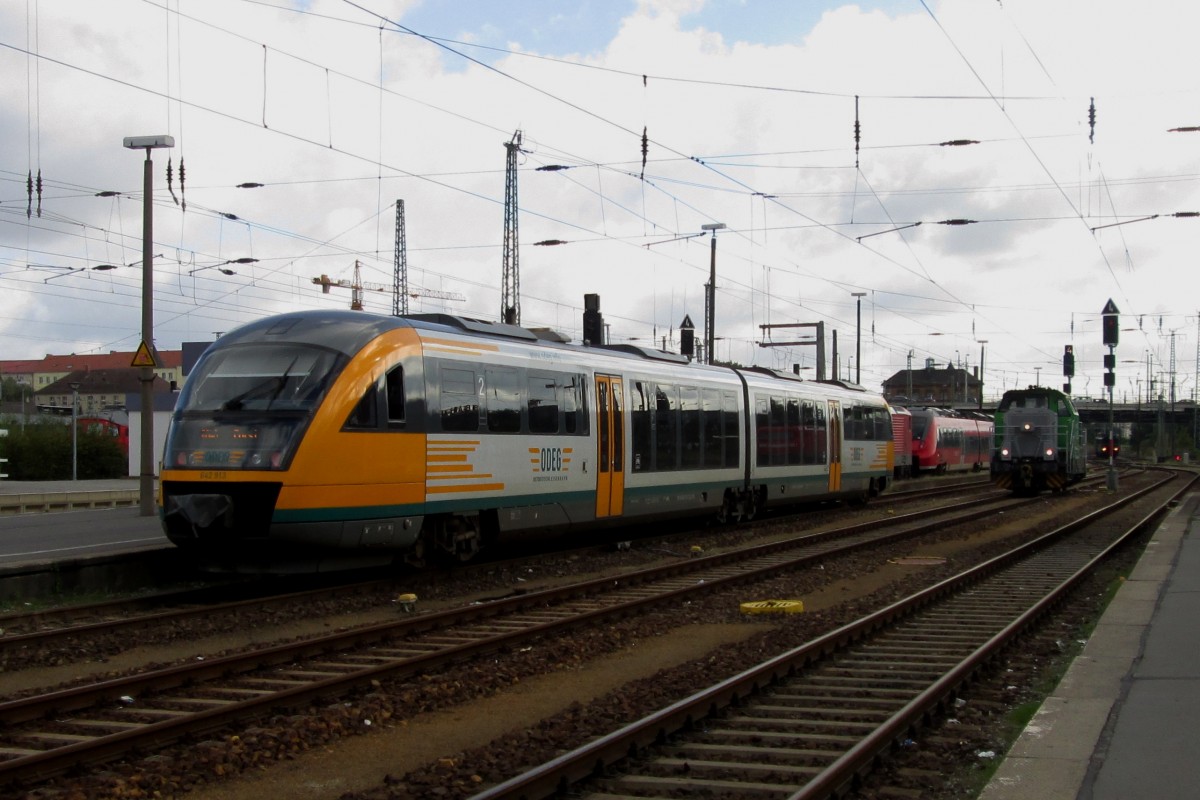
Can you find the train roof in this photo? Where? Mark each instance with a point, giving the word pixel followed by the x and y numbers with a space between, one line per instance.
pixel 349 331
pixel 1012 395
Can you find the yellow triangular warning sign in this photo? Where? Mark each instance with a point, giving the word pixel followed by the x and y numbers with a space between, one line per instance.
pixel 144 357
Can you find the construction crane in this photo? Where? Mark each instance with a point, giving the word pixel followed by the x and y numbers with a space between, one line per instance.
pixel 357 287
pixel 436 293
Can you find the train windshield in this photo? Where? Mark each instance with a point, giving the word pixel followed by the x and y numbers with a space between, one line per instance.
pixel 247 406
pixel 260 378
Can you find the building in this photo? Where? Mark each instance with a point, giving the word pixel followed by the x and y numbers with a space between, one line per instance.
pixel 934 386
pixel 38 374
pixel 99 390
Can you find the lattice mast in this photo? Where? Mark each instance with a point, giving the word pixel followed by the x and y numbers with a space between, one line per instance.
pixel 510 299
pixel 400 283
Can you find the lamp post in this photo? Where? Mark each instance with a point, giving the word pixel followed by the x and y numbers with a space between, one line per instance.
pixel 858 296
pixel 74 430
pixel 982 352
pixel 146 479
pixel 710 293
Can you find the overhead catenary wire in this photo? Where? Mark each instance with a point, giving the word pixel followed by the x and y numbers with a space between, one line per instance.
pixel 599 194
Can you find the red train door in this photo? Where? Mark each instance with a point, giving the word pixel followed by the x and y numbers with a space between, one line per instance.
pixel 610 448
pixel 835 446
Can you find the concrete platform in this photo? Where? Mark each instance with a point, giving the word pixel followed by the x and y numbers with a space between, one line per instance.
pixel 1121 725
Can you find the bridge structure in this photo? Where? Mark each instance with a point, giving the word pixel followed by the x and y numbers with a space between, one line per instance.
pixel 1095 412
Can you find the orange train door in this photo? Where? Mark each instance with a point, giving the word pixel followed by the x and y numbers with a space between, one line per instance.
pixel 610 455
pixel 835 446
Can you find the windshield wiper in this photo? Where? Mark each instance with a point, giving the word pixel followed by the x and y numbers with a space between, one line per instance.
pixel 276 382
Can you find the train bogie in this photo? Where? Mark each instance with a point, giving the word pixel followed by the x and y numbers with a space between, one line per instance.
pixel 337 438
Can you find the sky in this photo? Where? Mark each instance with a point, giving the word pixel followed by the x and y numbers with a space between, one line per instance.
pixel 1066 194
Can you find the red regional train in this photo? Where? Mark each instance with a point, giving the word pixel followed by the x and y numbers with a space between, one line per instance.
pixel 944 440
pixel 902 442
pixel 103 426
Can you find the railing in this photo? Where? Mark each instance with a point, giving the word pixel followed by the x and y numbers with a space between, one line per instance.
pixel 35 502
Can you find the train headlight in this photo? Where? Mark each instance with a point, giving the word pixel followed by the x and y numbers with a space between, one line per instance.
pixel 1028 426
pixel 1004 452
pixel 1049 452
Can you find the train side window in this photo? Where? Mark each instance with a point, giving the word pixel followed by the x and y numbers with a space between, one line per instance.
pixel 690 429
pixel 883 425
pixel 460 402
pixel 365 415
pixel 543 404
pixel 641 422
pixel 762 428
pixel 666 428
pixel 795 432
pixel 822 435
pixel 778 428
pixel 503 401
pixel 852 427
pixel 575 418
pixel 712 435
pixel 618 432
pixel 808 424
pixel 395 397
pixel 731 431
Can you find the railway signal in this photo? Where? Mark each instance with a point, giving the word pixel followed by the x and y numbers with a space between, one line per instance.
pixel 1110 332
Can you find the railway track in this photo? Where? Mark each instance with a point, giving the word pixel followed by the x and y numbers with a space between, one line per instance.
pixel 24 635
pixel 47 733
pixel 810 723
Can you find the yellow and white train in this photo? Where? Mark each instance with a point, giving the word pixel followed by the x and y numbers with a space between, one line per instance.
pixel 331 439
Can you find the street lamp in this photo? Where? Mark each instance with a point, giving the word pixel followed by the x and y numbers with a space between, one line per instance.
pixel 710 293
pixel 858 296
pixel 74 430
pixel 146 479
pixel 982 352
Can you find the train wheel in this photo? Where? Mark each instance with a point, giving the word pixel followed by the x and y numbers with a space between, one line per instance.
pixel 457 539
pixel 749 504
pixel 736 507
pixel 730 510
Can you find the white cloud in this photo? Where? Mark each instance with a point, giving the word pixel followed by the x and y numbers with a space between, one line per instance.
pixel 746 127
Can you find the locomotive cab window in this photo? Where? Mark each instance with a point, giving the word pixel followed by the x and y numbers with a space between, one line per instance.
pixel 386 394
pixel 395 397
pixel 365 415
pixel 260 378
